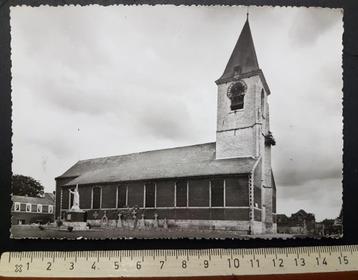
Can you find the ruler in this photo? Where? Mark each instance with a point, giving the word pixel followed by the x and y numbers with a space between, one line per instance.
pixel 168 263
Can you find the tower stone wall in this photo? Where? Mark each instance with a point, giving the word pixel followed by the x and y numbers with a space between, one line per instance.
pixel 238 131
pixel 243 130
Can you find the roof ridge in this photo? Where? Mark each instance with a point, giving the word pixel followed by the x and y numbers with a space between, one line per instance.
pixel 143 152
pixel 185 161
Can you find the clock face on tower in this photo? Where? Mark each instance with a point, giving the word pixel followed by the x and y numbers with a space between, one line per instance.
pixel 236 93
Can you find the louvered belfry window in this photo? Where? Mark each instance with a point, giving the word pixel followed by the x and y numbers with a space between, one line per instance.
pixel 236 94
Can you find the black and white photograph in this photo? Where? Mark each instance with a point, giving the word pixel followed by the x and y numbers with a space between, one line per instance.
pixel 168 121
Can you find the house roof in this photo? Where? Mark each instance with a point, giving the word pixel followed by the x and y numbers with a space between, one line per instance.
pixel 302 213
pixel 189 161
pixel 243 55
pixel 47 199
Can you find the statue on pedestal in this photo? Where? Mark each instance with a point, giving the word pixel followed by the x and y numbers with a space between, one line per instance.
pixel 76 219
pixel 76 199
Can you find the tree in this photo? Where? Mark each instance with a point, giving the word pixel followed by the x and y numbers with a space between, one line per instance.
pixel 25 185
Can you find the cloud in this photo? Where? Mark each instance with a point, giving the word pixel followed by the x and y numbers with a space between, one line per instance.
pixel 165 119
pixel 321 197
pixel 309 24
pixel 294 178
pixel 58 148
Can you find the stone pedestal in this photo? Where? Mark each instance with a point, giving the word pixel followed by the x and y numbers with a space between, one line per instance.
pixel 75 216
pixel 75 219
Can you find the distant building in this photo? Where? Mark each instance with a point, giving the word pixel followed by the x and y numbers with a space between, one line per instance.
pixel 28 210
pixel 299 223
pixel 339 220
pixel 227 184
pixel 330 227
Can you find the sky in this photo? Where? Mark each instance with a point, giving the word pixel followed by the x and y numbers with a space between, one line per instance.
pixel 99 81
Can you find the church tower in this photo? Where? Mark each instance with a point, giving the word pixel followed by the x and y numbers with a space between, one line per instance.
pixel 243 125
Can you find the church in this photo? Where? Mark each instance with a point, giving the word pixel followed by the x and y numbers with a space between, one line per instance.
pixel 223 185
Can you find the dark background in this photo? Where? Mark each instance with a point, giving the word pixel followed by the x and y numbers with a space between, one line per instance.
pixel 350 153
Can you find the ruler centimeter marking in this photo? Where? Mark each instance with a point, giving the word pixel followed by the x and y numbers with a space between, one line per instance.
pixel 166 263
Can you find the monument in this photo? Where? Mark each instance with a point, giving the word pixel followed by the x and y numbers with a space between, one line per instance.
pixel 76 199
pixel 75 217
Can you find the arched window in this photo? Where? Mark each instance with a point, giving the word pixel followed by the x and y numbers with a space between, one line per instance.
pixel 122 196
pixel 263 103
pixel 181 189
pixel 96 198
pixel 217 193
pixel 149 195
pixel 236 93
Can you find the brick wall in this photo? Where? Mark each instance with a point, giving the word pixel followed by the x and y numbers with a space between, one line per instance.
pixel 236 196
pixel 236 192
pixel 65 198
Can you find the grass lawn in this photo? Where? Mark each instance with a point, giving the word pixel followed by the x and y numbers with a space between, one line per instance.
pixel 33 231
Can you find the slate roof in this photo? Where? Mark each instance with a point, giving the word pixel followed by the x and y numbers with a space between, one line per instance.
pixel 189 161
pixel 243 55
pixel 48 199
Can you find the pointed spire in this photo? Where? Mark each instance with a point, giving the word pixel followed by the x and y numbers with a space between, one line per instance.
pixel 243 58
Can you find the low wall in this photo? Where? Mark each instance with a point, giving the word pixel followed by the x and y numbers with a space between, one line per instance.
pixel 183 224
pixel 257 227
